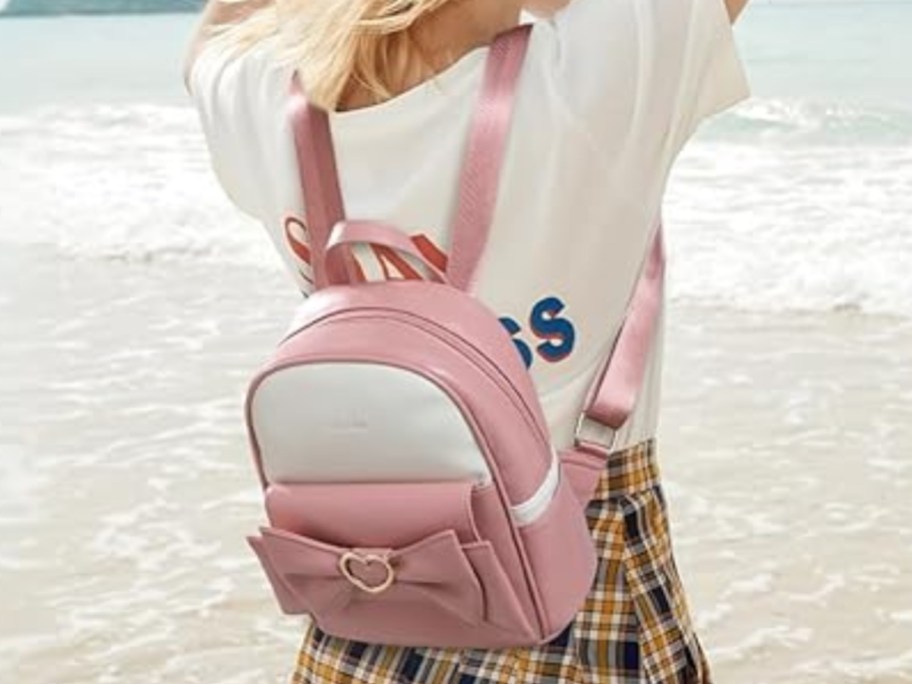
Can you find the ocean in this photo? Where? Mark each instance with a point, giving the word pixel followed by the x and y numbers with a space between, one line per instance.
pixel 135 301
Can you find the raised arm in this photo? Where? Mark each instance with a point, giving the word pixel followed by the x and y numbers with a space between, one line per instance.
pixel 217 12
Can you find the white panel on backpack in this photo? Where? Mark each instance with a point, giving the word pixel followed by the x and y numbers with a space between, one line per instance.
pixel 530 510
pixel 350 421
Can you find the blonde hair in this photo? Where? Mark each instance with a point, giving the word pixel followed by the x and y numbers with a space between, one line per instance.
pixel 335 42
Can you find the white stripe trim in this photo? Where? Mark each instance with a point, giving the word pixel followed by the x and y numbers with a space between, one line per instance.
pixel 529 510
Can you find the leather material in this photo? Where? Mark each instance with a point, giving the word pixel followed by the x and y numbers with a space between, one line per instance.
pixel 560 549
pixel 485 378
pixel 346 233
pixel 583 469
pixel 534 507
pixel 372 422
pixel 454 565
pixel 467 318
pixel 505 438
pixel 443 592
pixel 432 568
pixel 494 525
pixel 383 514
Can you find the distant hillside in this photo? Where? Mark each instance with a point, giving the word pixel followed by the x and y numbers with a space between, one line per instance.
pixel 26 7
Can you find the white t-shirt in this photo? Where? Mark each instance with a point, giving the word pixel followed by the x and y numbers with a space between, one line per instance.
pixel 610 92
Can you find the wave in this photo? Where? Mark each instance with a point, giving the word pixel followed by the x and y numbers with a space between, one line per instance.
pixel 51 7
pixel 814 122
pixel 752 227
pixel 822 228
pixel 125 182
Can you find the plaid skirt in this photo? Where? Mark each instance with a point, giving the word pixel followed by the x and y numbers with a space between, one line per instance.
pixel 634 627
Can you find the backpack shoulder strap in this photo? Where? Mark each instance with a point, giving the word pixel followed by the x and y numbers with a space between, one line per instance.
pixel 319 176
pixel 612 395
pixel 484 156
pixel 480 172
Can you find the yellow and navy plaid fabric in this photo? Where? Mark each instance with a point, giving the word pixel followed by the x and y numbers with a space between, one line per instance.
pixel 634 628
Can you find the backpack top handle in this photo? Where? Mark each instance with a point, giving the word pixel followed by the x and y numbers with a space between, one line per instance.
pixel 479 180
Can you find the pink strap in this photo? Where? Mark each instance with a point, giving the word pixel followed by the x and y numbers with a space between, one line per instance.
pixel 485 153
pixel 319 179
pixel 350 232
pixel 480 173
pixel 611 398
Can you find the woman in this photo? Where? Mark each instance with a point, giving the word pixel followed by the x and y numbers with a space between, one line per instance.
pixel 610 92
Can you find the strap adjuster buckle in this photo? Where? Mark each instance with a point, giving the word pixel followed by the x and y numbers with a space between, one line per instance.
pixel 594 443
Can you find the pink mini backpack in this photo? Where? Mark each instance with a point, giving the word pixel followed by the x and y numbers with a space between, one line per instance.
pixel 413 494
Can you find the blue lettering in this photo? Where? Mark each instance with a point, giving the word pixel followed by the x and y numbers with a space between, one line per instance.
pixel 514 328
pixel 558 332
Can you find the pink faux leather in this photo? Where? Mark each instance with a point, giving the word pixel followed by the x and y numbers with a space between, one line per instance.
pixel 424 303
pixel 346 233
pixel 487 379
pixel 447 588
pixel 433 567
pixel 431 562
pixel 383 516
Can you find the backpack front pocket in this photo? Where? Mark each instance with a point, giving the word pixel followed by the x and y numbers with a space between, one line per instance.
pixel 347 555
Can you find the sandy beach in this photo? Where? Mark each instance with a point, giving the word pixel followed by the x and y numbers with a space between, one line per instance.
pixel 126 488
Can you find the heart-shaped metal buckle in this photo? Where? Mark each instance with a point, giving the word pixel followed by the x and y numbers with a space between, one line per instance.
pixel 366 560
